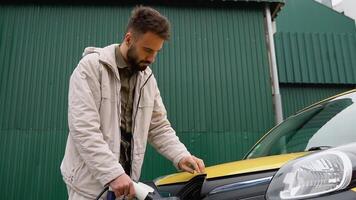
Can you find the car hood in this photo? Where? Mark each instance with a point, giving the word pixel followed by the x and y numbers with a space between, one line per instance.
pixel 233 168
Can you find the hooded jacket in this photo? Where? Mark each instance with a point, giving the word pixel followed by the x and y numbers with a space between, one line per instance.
pixel 91 158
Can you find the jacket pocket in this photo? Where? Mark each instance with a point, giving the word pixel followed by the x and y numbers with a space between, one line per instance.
pixel 146 99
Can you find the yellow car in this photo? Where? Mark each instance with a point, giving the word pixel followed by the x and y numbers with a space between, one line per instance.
pixel 311 155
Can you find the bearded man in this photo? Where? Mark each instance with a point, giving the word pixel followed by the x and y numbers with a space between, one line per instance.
pixel 115 108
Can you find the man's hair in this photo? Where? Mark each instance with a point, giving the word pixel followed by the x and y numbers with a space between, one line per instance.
pixel 145 19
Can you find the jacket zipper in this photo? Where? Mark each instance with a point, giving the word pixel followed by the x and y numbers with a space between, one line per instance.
pixel 134 122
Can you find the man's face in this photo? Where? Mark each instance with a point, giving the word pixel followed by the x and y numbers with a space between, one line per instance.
pixel 143 50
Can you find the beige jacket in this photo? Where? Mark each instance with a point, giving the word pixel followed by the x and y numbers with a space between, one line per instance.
pixel 93 145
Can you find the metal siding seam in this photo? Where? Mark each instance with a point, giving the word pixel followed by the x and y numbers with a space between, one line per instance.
pixel 313 51
pixel 330 56
pixel 32 75
pixel 302 57
pixel 4 165
pixel 53 73
pixel 40 73
pixel 334 68
pixel 218 74
pixel 326 61
pixel 307 54
pixel 241 76
pixel 250 76
pixel 260 71
pixel 4 70
pixel 56 73
pixel 26 95
pixel 345 59
pixel 235 73
pixel 24 71
pixel 283 53
pixel 350 68
pixel 352 46
pixel 221 66
pixel 8 72
pixel 295 58
pixel 173 93
pixel 61 77
pixel 211 89
pixel 338 58
pixel 192 81
pixel 15 76
pixel 253 73
pixel 243 65
pixel 309 47
pixel 197 68
pixel 318 58
pixel 256 83
pixel 182 78
pixel 230 108
pixel 178 35
pixel 286 56
pixel 289 58
pixel 202 75
pixel 248 73
pixel 214 90
pixel 225 84
pixel 188 55
pixel 46 68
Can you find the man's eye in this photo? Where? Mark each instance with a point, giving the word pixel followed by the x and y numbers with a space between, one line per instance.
pixel 149 50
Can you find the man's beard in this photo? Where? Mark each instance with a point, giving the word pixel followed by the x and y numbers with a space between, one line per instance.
pixel 133 60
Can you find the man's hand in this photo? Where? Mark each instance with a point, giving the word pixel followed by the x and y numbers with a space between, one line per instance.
pixel 191 164
pixel 123 186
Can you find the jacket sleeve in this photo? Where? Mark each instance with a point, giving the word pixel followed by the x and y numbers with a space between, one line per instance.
pixel 161 134
pixel 84 123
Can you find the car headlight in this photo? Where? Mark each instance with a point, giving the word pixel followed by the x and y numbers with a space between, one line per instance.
pixel 312 175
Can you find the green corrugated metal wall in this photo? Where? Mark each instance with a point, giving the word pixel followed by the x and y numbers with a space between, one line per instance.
pixel 213 75
pixel 316 57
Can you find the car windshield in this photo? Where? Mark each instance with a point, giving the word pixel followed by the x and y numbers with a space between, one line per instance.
pixel 324 125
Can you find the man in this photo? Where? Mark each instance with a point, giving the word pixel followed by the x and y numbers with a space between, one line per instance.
pixel 114 108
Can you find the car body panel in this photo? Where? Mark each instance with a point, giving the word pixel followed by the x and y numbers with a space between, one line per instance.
pixel 234 168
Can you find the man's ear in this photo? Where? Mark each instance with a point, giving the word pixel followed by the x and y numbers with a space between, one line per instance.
pixel 128 38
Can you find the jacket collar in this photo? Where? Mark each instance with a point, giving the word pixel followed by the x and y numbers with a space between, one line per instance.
pixel 107 56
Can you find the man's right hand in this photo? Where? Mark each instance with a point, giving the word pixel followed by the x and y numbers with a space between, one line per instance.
pixel 123 185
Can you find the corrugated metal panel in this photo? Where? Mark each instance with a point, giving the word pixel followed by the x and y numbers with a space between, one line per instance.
pixel 213 75
pixel 310 16
pixel 296 97
pixel 316 57
pixel 29 166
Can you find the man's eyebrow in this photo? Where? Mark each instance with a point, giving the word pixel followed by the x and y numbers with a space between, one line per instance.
pixel 152 49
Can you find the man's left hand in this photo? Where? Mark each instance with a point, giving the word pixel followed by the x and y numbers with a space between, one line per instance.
pixel 191 164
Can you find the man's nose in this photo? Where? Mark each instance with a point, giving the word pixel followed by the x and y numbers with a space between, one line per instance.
pixel 151 58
